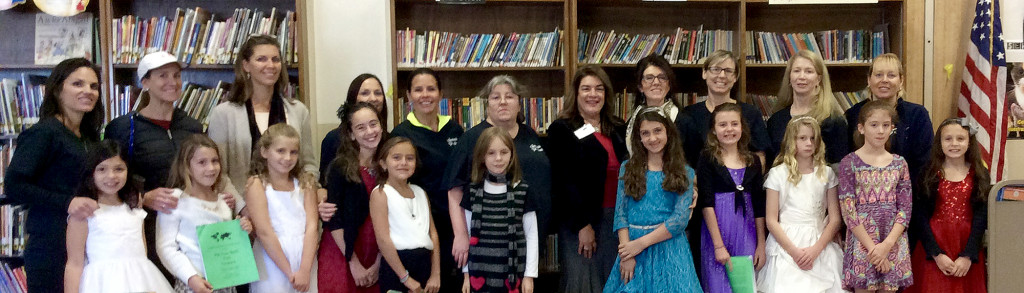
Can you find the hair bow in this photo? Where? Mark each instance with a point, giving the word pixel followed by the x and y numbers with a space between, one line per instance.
pixel 967 123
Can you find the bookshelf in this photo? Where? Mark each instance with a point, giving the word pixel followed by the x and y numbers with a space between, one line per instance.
pixel 637 17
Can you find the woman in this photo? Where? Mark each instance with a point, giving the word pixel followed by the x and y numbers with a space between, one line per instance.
pixel 806 90
pixel 254 103
pixel 46 168
pixel 434 136
pixel 912 136
pixel 152 135
pixel 503 111
pixel 587 145
pixel 364 88
pixel 720 75
pixel 656 81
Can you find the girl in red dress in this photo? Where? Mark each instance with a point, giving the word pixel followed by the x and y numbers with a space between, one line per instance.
pixel 349 258
pixel 949 257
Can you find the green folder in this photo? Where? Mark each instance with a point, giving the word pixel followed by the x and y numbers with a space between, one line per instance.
pixel 227 254
pixel 741 277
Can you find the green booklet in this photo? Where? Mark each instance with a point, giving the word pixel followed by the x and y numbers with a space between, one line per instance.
pixel 227 254
pixel 741 277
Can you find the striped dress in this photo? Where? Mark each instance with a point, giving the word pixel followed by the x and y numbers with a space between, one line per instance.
pixel 498 244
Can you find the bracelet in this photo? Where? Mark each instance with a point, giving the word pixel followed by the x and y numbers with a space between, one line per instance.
pixel 404 278
pixel 718 247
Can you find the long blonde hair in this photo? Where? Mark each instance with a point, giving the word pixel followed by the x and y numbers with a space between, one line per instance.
pixel 788 155
pixel 483 144
pixel 825 104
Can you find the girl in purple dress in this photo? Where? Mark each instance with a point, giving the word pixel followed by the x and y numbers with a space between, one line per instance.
pixel 730 194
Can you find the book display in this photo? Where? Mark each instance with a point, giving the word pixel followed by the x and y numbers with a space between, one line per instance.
pixel 615 34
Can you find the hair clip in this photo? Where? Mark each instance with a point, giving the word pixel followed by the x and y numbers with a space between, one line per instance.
pixel 804 118
pixel 646 110
pixel 972 128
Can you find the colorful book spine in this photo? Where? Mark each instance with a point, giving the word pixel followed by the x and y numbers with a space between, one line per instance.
pixel 449 49
pixel 680 47
pixel 834 46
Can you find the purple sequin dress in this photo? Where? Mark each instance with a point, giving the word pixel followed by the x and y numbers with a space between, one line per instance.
pixel 739 234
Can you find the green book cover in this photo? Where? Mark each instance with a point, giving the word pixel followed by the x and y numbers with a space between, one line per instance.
pixel 227 254
pixel 741 276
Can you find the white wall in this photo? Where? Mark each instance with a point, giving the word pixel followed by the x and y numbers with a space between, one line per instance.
pixel 346 38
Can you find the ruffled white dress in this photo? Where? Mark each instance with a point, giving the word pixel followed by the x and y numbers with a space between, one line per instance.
pixel 288 217
pixel 115 254
pixel 802 210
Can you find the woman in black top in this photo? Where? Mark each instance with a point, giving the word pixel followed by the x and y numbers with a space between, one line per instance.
pixel 806 90
pixel 501 101
pixel 587 144
pixel 46 168
pixel 364 88
pixel 434 136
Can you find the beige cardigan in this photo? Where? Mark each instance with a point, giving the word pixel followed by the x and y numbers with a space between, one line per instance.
pixel 229 128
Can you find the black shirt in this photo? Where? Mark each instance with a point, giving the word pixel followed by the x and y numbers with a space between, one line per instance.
pixel 833 134
pixel 352 201
pixel 533 162
pixel 695 132
pixel 579 167
pixel 43 174
pixel 713 178
pixel 328 151
pixel 154 146
pixel 433 150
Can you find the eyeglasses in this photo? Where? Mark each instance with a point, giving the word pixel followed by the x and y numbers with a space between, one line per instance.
pixel 719 70
pixel 650 78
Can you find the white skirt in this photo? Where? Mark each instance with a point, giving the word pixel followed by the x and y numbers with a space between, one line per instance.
pixel 132 274
pixel 781 273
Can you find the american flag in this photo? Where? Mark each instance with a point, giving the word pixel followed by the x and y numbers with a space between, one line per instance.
pixel 983 89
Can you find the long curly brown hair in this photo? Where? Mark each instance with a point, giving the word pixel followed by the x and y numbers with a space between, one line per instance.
pixel 674 160
pixel 347 158
pixel 933 173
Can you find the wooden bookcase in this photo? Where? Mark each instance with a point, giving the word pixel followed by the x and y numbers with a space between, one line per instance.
pixel 641 17
pixel 18 23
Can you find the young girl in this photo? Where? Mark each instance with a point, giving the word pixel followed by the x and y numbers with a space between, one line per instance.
pixel 401 220
pixel 349 259
pixel 800 189
pixel 874 193
pixel 502 223
pixel 652 208
pixel 950 258
pixel 197 181
pixel 283 212
pixel 731 198
pixel 106 252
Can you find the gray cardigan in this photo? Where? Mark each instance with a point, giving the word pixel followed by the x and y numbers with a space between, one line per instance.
pixel 229 128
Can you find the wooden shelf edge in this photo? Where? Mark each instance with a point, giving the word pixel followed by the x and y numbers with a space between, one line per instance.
pixel 633 65
pixel 488 1
pixel 24 66
pixel 492 68
pixel 783 65
pixel 198 66
pixel 766 2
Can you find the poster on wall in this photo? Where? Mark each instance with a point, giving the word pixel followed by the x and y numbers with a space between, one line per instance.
pixel 1012 13
pixel 59 38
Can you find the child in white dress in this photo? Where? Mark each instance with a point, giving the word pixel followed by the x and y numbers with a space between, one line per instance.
pixel 283 213
pixel 800 189
pixel 198 181
pixel 106 252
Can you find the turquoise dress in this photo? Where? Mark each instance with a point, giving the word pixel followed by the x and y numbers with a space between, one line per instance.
pixel 666 266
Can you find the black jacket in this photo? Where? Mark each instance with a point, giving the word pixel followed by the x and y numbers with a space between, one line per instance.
pixel 353 203
pixel 154 147
pixel 713 178
pixel 578 168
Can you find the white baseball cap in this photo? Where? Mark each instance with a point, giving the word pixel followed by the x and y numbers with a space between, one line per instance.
pixel 155 60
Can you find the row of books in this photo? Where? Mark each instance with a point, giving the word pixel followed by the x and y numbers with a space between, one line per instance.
pixel 12 230
pixel 448 49
pixel 847 46
pixel 195 37
pixel 549 261
pixel 21 100
pixel 470 111
pixel 623 105
pixel 766 103
pixel 12 280
pixel 681 47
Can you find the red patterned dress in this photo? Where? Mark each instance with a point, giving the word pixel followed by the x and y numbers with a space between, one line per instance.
pixel 951 225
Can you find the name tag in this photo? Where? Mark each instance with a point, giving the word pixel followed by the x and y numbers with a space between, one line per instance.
pixel 584 131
